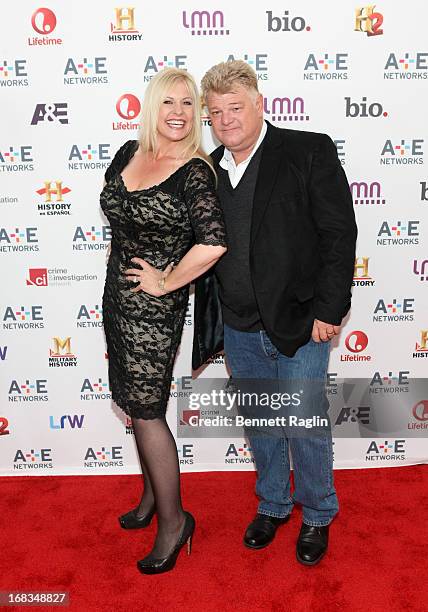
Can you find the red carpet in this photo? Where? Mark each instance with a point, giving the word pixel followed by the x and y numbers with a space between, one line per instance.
pixel 62 533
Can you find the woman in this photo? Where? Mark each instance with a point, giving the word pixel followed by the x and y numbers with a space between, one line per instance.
pixel 160 200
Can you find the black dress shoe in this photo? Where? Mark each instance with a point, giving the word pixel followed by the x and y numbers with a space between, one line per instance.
pixel 154 565
pixel 131 520
pixel 261 531
pixel 312 544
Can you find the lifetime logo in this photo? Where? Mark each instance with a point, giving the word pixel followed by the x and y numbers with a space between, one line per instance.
pixel 205 23
pixel 368 21
pixel 43 21
pixel 285 109
pixel 53 112
pixel 356 342
pixel 366 193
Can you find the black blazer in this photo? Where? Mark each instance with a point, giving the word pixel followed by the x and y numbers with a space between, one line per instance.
pixel 302 245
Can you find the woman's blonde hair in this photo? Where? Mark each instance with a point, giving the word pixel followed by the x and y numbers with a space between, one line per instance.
pixel 156 91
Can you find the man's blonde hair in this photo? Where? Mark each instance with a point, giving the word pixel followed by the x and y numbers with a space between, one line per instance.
pixel 222 77
pixel 156 92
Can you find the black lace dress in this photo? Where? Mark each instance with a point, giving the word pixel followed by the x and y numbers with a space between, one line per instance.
pixel 158 224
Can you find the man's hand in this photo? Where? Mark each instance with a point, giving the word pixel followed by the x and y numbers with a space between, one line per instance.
pixel 323 332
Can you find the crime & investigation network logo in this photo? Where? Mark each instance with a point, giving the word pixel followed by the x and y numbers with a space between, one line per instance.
pixel 124 29
pixel 61 355
pixel 43 22
pixel 13 73
pixel 53 193
pixel 56 277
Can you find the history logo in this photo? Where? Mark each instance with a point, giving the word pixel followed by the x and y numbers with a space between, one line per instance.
pixel 421 347
pixel 368 21
pixel 123 28
pixel 61 355
pixel 53 193
pixel 361 273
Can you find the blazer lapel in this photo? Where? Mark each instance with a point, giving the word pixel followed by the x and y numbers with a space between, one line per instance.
pixel 267 175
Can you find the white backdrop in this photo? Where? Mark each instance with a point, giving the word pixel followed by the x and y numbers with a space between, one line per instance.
pixel 72 76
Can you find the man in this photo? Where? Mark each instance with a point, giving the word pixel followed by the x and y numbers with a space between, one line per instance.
pixel 284 287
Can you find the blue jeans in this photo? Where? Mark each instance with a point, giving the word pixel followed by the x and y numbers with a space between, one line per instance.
pixel 252 355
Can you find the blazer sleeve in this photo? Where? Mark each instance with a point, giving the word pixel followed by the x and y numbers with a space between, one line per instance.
pixel 334 218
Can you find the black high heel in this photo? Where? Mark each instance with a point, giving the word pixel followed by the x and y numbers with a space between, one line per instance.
pixel 152 565
pixel 130 520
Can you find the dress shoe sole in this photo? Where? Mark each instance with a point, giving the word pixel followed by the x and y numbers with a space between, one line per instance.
pixel 310 562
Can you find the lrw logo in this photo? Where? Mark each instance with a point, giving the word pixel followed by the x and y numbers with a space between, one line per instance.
pixel 286 23
pixel 363 109
pixel 204 23
pixel 67 420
